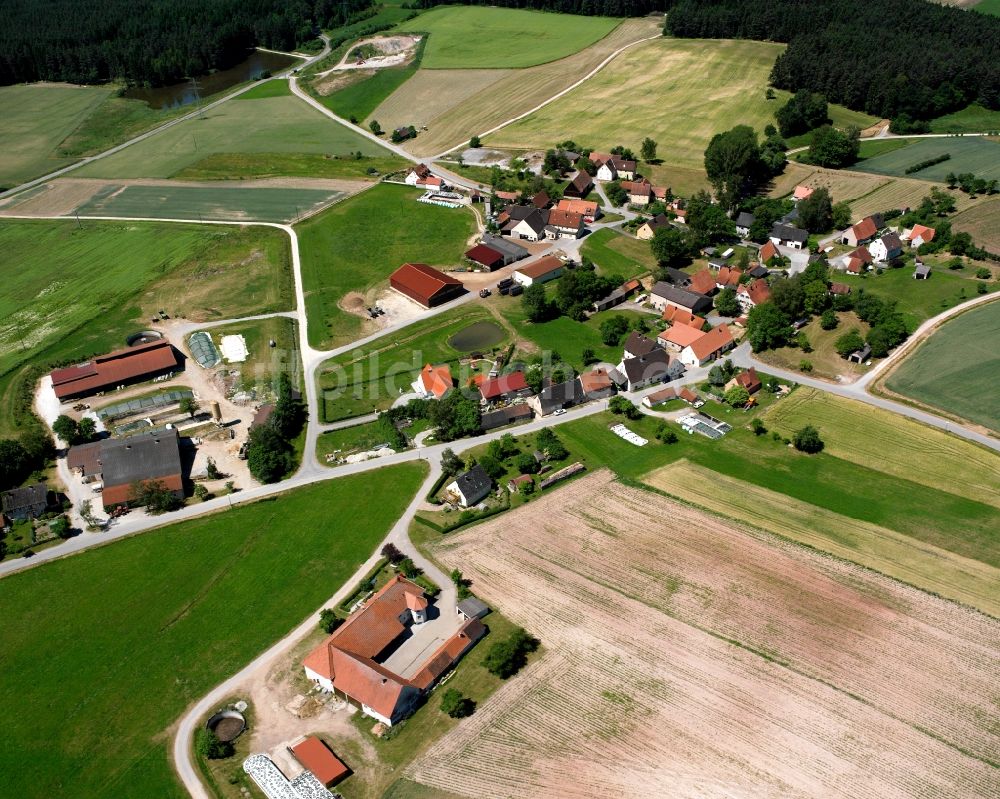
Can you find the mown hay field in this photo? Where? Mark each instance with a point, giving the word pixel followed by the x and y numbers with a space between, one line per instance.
pixel 517 93
pixel 918 563
pixel 463 37
pixel 433 92
pixel 956 368
pixel 885 441
pixel 686 656
pixel 982 222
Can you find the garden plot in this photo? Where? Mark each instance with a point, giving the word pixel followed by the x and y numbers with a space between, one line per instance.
pixel 688 657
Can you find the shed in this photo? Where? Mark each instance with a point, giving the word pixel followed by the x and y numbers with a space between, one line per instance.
pixel 315 756
pixel 472 607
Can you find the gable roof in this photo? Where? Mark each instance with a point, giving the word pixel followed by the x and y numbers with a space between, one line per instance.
pixel 803 192
pixel 437 379
pixel 749 380
pixel 862 254
pixel 559 395
pixel 114 368
pixel 745 219
pixel 638 344
pixel 484 255
pixel 585 207
pixel 758 291
pixel 840 288
pixel 16 499
pixel 507 247
pixel 728 276
pixel 679 316
pixel 595 380
pixel 663 395
pixel 541 200
pixel 678 296
pixel 656 222
pixel 315 756
pixel 474 482
pixel 652 366
pixel 891 241
pixel 789 233
pixel 637 187
pixel 703 282
pixel 423 280
pixel 681 335
pixel 542 266
pixel 713 341
pixel 864 229
pixel 566 219
pixel 535 219
pixel 505 384
pixel 581 183
pixel 147 456
pixel 922 232
pixel 768 251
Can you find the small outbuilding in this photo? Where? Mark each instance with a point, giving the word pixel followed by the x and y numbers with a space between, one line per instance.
pixel 472 607
pixel 315 756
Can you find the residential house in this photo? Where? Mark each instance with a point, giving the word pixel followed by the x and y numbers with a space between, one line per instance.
pixel 678 316
pixel 486 257
pixel 491 420
pixel 504 388
pixel 119 368
pixel 28 502
pixel 471 487
pixel 921 272
pixel 677 337
pixel 663 294
pixel 703 282
pixel 840 288
pixel 612 167
pixel 919 234
pixel 860 233
pixel 708 347
pixel 789 236
pixel 656 367
pixel 659 397
pixel 728 277
pixel 688 396
pixel 531 227
pixel 648 229
pixel 618 296
pixel 589 209
pixel 750 295
pixel 886 248
pixel 353 660
pixel 511 251
pixel 541 199
pixel 417 173
pixel 676 277
pixel 757 269
pixel 637 345
pixel 744 221
pixel 681 215
pixel 768 251
pixel 639 192
pixel 857 261
pixel 435 381
pixel 564 225
pixel 597 384
pixel 541 271
pixel 580 186
pixel 747 379
pixel 660 193
pixel 425 285
pixel 802 193
pixel 557 397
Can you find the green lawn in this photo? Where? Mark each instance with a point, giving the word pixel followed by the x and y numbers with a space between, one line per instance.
pixel 970 154
pixel 357 244
pixel 225 203
pixel 616 253
pixel 956 368
pixel 876 147
pixel 371 377
pixel 158 620
pixel 226 166
pixel 34 119
pixel 479 37
pixel 972 119
pixel 268 125
pixel 268 88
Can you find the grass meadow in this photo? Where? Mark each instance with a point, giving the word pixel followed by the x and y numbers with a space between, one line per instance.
pixel 358 243
pixel 463 37
pixel 226 166
pixel 34 120
pixel 971 119
pixel 161 618
pixel 978 155
pixel 282 124
pixel 955 369
pixel 616 253
pixel 982 222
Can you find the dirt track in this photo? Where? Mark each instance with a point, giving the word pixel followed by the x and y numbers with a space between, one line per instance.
pixel 689 658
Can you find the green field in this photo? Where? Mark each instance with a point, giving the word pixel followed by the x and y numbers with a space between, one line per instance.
pixel 34 119
pixel 972 119
pixel 680 92
pixel 615 253
pixel 160 619
pixel 226 166
pixel 968 154
pixel 358 243
pixel 264 363
pixel 988 7
pixel 480 37
pixel 267 88
pixel 956 368
pixel 873 148
pixel 268 125
pixel 226 203
pixel 372 376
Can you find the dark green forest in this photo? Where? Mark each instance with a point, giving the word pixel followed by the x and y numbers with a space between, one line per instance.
pixel 884 57
pixel 151 42
pixel 588 8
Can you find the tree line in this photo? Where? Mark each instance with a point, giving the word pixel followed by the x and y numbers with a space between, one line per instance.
pixel 884 57
pixel 152 42
pixel 587 8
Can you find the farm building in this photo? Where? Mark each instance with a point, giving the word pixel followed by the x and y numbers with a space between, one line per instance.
pixel 659 397
pixel 541 200
pixel 597 384
pixel 351 661
pixel 28 502
pixel 579 187
pixel 491 420
pixel 486 257
pixel 921 272
pixel 120 462
pixel 470 487
pixel 118 368
pixel 510 250
pixel 648 229
pixel 472 607
pixel 618 296
pixel 506 387
pixel 541 271
pixel 708 347
pixel 425 285
pixel 663 295
pixel 315 756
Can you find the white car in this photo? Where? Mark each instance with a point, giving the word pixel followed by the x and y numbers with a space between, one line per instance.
pixel 560 412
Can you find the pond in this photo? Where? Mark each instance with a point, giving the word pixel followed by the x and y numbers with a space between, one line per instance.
pixel 181 94
pixel 478 336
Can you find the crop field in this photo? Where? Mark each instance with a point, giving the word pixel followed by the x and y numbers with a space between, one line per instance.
pixel 969 154
pixel 464 37
pixel 356 245
pixel 633 597
pixel 513 94
pixel 226 203
pixel 917 563
pixel 226 166
pixel 34 120
pixel 982 222
pixel 679 92
pixel 372 376
pixel 181 627
pixel 883 440
pixel 955 369
pixel 268 125
pixel 616 253
pixel 92 285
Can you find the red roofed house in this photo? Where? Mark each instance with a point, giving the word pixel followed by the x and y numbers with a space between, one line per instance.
pixel 747 379
pixel 118 368
pixel 860 233
pixel 703 282
pixel 485 256
pixel 919 234
pixel 588 208
pixel 425 285
pixel 802 193
pixel 639 192
pixel 858 260
pixel 678 337
pixel 436 381
pixel 564 225
pixel 707 347
pixel 351 662
pixel 750 295
pixel 728 276
pixel 315 756
pixel 506 386
pixel 679 316
pixel 768 251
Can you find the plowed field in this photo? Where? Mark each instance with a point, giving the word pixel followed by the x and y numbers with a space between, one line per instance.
pixel 688 657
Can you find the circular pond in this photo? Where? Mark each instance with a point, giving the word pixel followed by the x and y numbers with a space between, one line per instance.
pixel 478 336
pixel 227 725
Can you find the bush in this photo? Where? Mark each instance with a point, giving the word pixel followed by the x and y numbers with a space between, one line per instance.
pixel 828 320
pixel 983 273
pixel 619 405
pixel 526 463
pixel 506 658
pixel 408 568
pixel 758 427
pixel 208 746
pixel 807 440
pixel 456 705
pixel 805 366
pixel 329 620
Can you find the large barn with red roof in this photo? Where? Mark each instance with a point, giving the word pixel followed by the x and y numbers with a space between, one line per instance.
pixel 425 284
pixel 118 368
